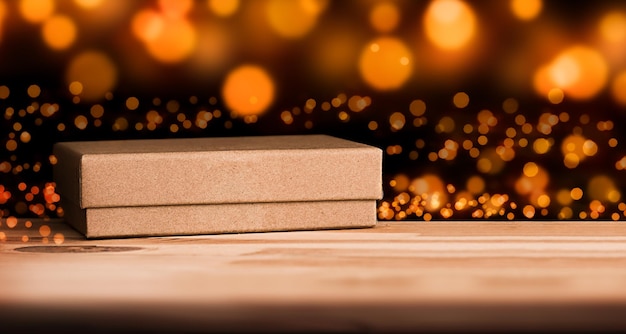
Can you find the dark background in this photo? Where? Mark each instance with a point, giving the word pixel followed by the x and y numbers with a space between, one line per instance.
pixel 498 63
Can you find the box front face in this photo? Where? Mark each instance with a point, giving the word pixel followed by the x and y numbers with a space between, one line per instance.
pixel 226 218
pixel 223 176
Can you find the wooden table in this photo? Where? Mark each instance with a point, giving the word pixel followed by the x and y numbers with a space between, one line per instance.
pixel 396 277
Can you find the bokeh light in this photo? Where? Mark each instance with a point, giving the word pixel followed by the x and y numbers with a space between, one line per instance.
pixel 576 148
pixel 223 8
pixel 460 100
pixel 526 9
pixel 533 183
pixel 96 73
pixel 248 90
pixel 147 25
pixel 175 8
pixel 33 91
pixel 580 71
pixel 75 87
pixel 3 14
pixel 59 32
pixel 432 191
pixel 449 24
pixel 386 63
pixel 490 162
pixel 132 103
pixel 613 27
pixel 618 88
pixel 168 35
pixel 174 41
pixel 397 121
pixel 36 11
pixel 384 16
pixel 603 189
pixel 89 4
pixel 293 19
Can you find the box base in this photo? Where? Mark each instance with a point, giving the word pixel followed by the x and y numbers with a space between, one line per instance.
pixel 139 221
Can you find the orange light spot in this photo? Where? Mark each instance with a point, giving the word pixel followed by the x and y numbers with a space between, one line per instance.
pixel 147 25
pixel 397 121
pixel 59 32
pixel 384 17
pixel 59 238
pixel 223 7
pixel 613 27
pixel 36 11
pixel 132 103
pixel 81 122
pixel 460 100
pixel 580 71
pixel 11 222
pixel 170 41
pixel 386 63
pixel 248 90
pixel 175 8
pixel 88 4
pixel 529 211
pixel 293 19
pixel 618 88
pixel 95 71
pixel 44 230
pixel 432 189
pixel 11 145
pixel 449 24
pixel 526 9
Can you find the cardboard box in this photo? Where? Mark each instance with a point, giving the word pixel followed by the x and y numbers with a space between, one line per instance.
pixel 166 220
pixel 217 170
pixel 171 180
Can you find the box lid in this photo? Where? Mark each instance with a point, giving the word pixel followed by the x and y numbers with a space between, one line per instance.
pixel 216 170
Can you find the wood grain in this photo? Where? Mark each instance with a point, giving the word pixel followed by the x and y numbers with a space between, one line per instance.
pixel 398 276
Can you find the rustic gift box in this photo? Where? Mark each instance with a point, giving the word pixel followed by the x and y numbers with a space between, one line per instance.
pixel 217 185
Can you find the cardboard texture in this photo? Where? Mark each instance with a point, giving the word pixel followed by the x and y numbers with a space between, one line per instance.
pixel 217 185
pixel 217 171
pixel 167 220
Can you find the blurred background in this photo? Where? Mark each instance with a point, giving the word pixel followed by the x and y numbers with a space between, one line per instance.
pixel 507 110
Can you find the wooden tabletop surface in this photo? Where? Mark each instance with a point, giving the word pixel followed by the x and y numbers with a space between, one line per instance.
pixel 397 277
